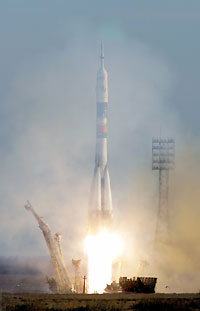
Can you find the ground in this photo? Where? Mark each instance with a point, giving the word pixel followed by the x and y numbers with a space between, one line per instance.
pixel 104 302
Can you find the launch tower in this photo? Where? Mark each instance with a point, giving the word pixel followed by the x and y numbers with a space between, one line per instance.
pixel 163 154
pixel 61 283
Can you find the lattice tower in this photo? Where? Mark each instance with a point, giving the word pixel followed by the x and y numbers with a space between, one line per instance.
pixel 163 155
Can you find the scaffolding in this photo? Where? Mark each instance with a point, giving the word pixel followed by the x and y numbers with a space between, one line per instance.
pixel 61 283
pixel 78 281
pixel 163 155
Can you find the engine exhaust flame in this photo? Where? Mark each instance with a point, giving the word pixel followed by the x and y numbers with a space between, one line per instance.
pixel 102 248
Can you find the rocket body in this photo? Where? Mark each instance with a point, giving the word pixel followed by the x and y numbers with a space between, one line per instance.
pixel 100 205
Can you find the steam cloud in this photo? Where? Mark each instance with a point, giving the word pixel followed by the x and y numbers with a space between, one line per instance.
pixel 47 155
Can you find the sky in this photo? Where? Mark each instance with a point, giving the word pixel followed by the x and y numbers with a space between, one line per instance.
pixel 49 57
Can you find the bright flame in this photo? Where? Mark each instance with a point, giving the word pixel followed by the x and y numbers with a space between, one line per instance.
pixel 101 249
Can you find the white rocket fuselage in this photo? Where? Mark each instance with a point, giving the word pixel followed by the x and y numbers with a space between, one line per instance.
pixel 100 209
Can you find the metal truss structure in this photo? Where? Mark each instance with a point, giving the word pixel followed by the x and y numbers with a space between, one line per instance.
pixel 163 158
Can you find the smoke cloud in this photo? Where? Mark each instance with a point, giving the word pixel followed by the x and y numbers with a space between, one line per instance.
pixel 48 143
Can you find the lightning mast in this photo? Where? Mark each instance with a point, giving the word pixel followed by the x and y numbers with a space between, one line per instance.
pixel 163 155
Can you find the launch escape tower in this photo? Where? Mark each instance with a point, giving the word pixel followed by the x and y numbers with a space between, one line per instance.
pixel 163 154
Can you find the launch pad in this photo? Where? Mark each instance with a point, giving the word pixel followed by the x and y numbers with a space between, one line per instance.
pixel 101 244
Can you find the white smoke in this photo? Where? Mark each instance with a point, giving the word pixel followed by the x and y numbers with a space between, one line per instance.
pixel 47 154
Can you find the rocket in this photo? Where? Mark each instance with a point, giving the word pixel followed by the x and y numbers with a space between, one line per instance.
pixel 100 204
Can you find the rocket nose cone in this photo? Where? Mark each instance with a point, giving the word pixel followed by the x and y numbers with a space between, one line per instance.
pixel 102 50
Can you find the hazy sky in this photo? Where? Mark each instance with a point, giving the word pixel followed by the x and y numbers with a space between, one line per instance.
pixel 49 57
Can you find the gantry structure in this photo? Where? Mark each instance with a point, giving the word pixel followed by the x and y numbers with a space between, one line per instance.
pixel 61 283
pixel 163 158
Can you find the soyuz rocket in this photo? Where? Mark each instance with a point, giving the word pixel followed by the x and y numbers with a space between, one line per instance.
pixel 100 204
